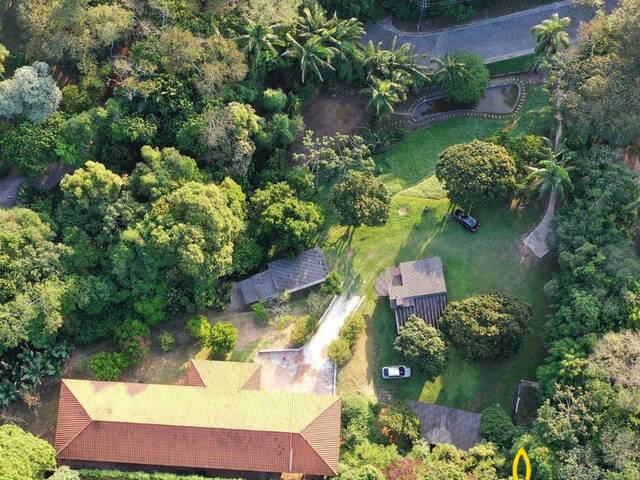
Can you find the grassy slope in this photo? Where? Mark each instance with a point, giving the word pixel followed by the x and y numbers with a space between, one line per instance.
pixel 487 261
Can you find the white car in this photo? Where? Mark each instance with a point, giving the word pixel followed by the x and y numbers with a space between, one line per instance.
pixel 396 371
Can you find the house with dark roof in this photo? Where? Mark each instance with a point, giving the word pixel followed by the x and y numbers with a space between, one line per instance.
pixel 219 422
pixel 415 288
pixel 285 275
pixel 440 424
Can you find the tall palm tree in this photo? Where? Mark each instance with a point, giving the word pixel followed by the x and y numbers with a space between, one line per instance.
pixel 552 176
pixel 551 35
pixel 313 55
pixel 385 94
pixel 449 70
pixel 256 39
pixel 381 63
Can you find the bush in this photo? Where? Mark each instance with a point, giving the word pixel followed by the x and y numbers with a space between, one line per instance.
pixel 332 284
pixel 339 352
pixel 223 339
pixel 260 313
pixel 497 427
pixel 476 172
pixel 422 345
pixel 303 330
pixel 88 474
pixel 132 338
pixel 366 472
pixel 65 473
pixel 199 328
pixel 399 424
pixel 24 456
pixel 486 326
pixel 352 329
pixel 167 340
pixel 470 88
pixel 361 9
pixel 317 304
pixel 108 366
pixel 274 101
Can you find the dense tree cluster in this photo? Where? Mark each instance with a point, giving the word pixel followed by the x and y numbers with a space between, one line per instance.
pixel 422 346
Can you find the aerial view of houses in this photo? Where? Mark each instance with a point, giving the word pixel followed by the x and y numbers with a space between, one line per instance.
pixel 319 239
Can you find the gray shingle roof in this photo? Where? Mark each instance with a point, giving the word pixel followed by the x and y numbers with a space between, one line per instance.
pixel 285 275
pixel 415 288
pixel 442 424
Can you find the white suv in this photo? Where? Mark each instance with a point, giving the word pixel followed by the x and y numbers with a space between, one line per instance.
pixel 396 371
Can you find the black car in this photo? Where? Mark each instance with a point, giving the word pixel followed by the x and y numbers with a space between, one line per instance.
pixel 467 221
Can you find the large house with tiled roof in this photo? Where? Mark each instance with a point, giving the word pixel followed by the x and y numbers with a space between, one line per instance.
pixel 219 422
pixel 415 288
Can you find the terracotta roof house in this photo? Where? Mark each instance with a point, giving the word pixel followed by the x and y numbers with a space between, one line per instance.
pixel 220 422
pixel 285 275
pixel 415 288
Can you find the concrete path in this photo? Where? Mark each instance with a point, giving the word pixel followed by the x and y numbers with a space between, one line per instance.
pixel 537 239
pixel 494 38
pixel 9 187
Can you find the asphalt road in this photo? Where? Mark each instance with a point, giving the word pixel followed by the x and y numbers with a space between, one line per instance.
pixel 494 38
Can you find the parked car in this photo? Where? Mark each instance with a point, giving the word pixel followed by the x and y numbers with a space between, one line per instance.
pixel 467 221
pixel 396 371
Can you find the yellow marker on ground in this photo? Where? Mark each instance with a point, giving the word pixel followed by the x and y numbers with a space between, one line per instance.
pixel 521 454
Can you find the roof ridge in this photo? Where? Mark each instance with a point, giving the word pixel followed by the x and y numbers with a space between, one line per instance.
pixel 303 434
pixel 64 385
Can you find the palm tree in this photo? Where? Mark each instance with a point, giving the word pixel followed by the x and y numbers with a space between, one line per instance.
pixel 385 94
pixel 256 39
pixel 552 176
pixel 313 55
pixel 382 63
pixel 551 35
pixel 449 70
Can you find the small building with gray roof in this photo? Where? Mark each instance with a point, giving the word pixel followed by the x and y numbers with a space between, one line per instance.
pixel 415 288
pixel 285 275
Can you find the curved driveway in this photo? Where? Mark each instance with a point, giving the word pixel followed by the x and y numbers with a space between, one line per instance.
pixel 494 38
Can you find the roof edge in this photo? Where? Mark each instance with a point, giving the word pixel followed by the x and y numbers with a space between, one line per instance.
pixel 63 384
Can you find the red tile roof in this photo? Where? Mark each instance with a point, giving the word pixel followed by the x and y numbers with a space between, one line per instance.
pixel 219 421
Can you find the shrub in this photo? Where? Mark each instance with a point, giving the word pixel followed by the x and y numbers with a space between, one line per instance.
pixel 303 330
pixel 88 474
pixel 352 329
pixel 476 172
pixel 24 456
pixel 223 339
pixel 486 326
pixel 496 426
pixel 339 352
pixel 316 304
pixel 366 472
pixel 332 284
pixel 108 366
pixel 65 473
pixel 132 338
pixel 280 322
pixel 260 313
pixel 199 328
pixel 399 424
pixel 274 100
pixel 471 87
pixel 421 345
pixel 167 340
pixel 361 9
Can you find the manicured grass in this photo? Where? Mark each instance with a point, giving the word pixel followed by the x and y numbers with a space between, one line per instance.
pixel 512 65
pixel 487 261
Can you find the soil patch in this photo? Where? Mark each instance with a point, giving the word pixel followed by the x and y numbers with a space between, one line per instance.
pixel 337 111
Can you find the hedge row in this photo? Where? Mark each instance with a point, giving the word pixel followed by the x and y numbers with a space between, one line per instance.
pixel 91 474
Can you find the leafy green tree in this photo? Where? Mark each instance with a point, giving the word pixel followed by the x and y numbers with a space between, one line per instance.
pixel 366 472
pixel 4 53
pixel 363 10
pixel 476 172
pixel 361 199
pixel 339 352
pixel 496 426
pixel 463 77
pixel 551 35
pixel 303 329
pixel 161 172
pixel 29 147
pixel 133 340
pixel 274 100
pixel 223 339
pixel 285 223
pixel 199 328
pixel 421 345
pixel 31 287
pixel 31 93
pixel 486 326
pixel 399 424
pixel 24 456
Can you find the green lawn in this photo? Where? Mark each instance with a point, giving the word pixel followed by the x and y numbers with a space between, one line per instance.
pixel 487 261
pixel 512 65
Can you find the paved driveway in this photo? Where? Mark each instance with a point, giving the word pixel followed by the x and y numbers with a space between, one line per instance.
pixel 495 38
